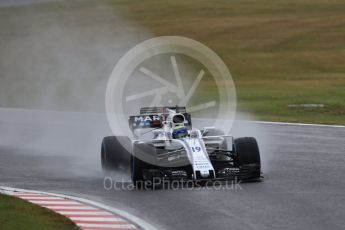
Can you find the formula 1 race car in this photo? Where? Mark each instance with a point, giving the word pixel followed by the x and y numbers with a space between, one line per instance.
pixel 176 151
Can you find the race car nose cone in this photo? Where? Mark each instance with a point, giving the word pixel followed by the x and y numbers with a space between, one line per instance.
pixel 205 174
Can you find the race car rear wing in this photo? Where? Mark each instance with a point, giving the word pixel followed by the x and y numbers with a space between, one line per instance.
pixel 152 117
pixel 161 110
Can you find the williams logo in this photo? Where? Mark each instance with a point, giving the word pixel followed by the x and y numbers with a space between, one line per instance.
pixel 146 118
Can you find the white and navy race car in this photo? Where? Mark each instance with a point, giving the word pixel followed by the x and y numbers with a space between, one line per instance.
pixel 176 151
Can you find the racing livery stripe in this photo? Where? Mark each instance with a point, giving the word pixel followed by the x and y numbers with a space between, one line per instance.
pixel 86 217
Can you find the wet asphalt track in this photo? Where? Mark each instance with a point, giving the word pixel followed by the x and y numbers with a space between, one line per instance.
pixel 303 167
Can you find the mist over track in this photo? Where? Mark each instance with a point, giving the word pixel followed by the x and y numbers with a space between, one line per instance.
pixel 303 169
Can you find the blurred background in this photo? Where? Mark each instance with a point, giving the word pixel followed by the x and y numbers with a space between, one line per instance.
pixel 286 57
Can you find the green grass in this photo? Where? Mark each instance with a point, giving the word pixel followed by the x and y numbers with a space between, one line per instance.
pixel 21 215
pixel 279 52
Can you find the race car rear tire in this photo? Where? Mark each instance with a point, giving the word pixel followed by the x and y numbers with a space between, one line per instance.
pixel 114 153
pixel 248 155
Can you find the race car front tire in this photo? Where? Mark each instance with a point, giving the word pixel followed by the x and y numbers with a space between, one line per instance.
pixel 248 155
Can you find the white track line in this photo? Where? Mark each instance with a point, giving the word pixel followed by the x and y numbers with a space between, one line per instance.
pixel 274 123
pixel 93 216
pixel 293 124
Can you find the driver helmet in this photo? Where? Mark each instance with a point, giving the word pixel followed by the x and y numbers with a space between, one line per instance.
pixel 180 131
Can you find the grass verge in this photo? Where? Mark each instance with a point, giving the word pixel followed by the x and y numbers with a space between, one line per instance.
pixel 279 52
pixel 21 215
